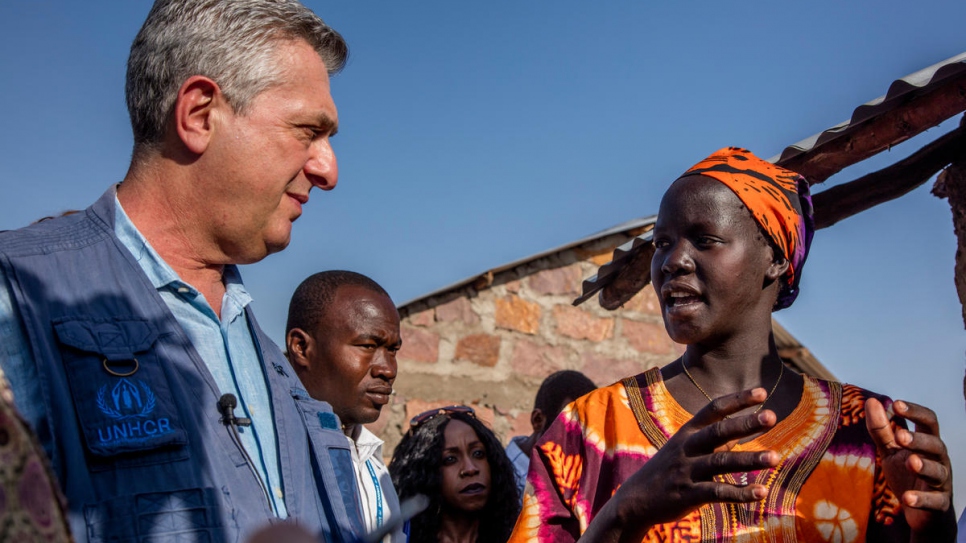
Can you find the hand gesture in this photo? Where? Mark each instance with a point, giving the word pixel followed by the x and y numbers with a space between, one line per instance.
pixel 916 467
pixel 680 477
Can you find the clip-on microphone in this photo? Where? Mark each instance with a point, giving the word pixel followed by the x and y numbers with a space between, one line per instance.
pixel 226 406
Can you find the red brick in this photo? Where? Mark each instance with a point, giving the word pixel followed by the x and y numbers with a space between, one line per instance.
pixel 520 424
pixel 564 280
pixel 579 324
pixel 515 313
pixel 379 424
pixel 598 257
pixel 482 349
pixel 485 414
pixel 419 345
pixel 605 371
pixel 418 407
pixel 423 318
pixel 647 337
pixel 459 309
pixel 536 360
pixel 644 301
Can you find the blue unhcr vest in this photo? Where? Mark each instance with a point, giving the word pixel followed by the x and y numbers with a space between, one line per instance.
pixel 134 432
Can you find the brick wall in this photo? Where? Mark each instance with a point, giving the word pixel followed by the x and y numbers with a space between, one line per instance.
pixel 490 345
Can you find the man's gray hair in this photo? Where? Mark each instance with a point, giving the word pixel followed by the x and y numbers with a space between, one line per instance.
pixel 230 41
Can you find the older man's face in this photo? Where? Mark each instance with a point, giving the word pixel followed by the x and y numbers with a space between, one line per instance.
pixel 263 163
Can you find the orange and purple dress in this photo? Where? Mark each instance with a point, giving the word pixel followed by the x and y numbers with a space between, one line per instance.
pixel 828 486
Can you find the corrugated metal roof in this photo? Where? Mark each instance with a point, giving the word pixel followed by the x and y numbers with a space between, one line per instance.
pixel 620 228
pixel 606 273
pixel 900 91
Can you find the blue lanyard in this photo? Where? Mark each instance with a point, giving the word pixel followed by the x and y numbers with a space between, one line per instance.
pixel 375 483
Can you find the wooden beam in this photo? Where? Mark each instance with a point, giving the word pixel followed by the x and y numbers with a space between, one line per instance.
pixel 951 185
pixel 632 277
pixel 843 201
pixel 882 132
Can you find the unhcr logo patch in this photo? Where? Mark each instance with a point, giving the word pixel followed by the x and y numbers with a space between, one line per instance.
pixel 130 404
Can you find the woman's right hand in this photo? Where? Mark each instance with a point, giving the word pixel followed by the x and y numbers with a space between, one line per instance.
pixel 680 477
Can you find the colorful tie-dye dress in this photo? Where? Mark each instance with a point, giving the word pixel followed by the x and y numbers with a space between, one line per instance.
pixel 828 486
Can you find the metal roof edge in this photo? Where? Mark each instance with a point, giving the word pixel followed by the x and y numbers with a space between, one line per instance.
pixel 617 229
pixel 918 81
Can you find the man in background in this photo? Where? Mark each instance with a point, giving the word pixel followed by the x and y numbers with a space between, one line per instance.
pixel 556 391
pixel 125 330
pixel 342 337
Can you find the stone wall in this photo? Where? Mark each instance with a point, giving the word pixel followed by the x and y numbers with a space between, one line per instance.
pixel 491 343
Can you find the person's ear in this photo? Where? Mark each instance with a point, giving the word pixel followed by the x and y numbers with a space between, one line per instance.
pixel 194 108
pixel 778 267
pixel 538 421
pixel 298 345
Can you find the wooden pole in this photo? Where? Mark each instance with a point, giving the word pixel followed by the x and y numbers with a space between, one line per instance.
pixel 951 185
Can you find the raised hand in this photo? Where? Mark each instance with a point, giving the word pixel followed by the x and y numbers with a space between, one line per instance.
pixel 917 468
pixel 680 477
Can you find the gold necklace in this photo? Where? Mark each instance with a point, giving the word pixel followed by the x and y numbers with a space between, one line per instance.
pixel 781 373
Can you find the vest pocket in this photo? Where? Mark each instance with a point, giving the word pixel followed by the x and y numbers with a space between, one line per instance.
pixel 332 465
pixel 183 516
pixel 120 392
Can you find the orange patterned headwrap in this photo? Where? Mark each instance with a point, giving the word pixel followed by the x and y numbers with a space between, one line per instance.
pixel 778 198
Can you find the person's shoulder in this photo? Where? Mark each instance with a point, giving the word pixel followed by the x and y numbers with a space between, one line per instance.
pixel 515 442
pixel 600 405
pixel 853 398
pixel 66 230
pixel 850 393
pixel 605 394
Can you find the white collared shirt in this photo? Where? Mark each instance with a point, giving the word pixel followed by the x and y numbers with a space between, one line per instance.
pixel 376 493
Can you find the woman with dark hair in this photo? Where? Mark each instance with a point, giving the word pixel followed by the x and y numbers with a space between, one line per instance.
pixel 452 458
pixel 726 443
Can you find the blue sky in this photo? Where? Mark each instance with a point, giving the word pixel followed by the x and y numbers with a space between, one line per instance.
pixel 474 134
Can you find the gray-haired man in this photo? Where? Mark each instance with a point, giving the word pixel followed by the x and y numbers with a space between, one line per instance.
pixel 126 332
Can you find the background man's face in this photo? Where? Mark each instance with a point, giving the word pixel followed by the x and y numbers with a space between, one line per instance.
pixel 264 162
pixel 353 364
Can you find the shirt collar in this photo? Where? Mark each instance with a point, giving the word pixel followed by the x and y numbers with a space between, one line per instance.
pixel 158 271
pixel 368 445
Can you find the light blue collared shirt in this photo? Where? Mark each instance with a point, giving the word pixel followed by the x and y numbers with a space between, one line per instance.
pixel 226 345
pixel 520 461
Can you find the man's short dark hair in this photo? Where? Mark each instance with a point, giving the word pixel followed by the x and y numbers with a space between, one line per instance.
pixel 558 387
pixel 312 298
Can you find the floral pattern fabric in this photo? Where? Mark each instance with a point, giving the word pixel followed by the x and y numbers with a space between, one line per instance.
pixel 32 509
pixel 827 487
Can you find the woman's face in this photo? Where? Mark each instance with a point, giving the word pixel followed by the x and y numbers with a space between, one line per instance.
pixel 711 266
pixel 466 472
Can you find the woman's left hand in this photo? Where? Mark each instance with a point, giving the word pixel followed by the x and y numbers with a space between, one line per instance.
pixel 916 467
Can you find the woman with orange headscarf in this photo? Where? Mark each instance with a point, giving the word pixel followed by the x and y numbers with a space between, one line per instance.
pixel 726 443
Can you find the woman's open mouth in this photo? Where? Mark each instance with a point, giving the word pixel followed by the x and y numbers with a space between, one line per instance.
pixel 681 299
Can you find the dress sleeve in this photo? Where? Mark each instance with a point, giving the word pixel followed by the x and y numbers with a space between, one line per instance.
pixel 554 473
